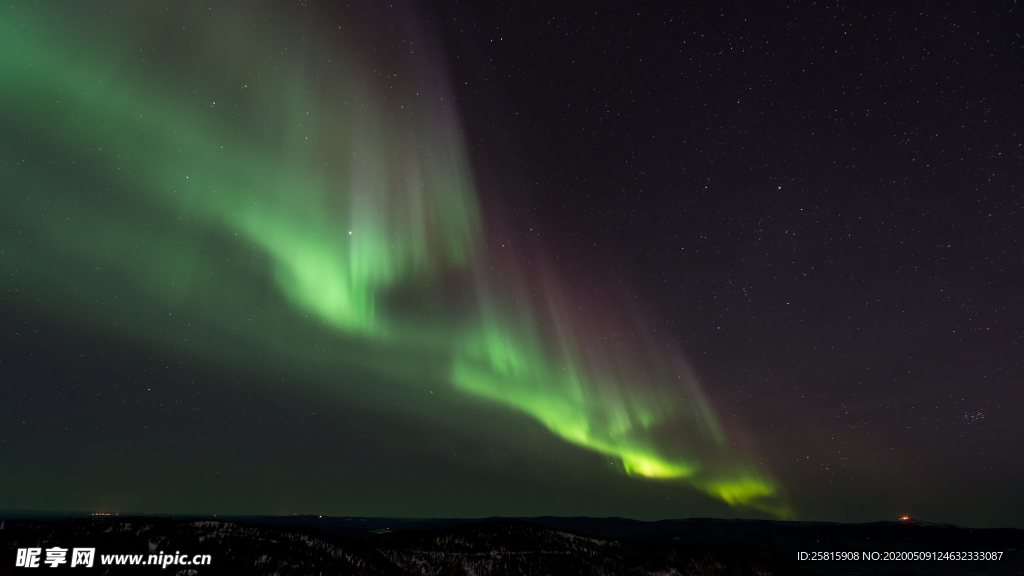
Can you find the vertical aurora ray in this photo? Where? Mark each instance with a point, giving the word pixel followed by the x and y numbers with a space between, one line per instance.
pixel 280 154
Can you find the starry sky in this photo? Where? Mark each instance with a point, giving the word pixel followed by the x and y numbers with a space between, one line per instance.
pixel 470 259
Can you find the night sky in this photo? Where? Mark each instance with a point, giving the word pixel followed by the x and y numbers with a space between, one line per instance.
pixel 473 259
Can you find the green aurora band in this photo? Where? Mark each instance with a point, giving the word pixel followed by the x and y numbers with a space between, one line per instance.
pixel 283 172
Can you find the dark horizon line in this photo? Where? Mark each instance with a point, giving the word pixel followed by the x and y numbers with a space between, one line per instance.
pixel 29 514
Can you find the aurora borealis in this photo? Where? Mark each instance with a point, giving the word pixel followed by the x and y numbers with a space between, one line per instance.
pixel 290 151
pixel 425 263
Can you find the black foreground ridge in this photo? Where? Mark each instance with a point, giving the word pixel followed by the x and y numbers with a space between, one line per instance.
pixel 500 547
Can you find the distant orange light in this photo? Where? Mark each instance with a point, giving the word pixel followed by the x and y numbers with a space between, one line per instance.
pixel 905 518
